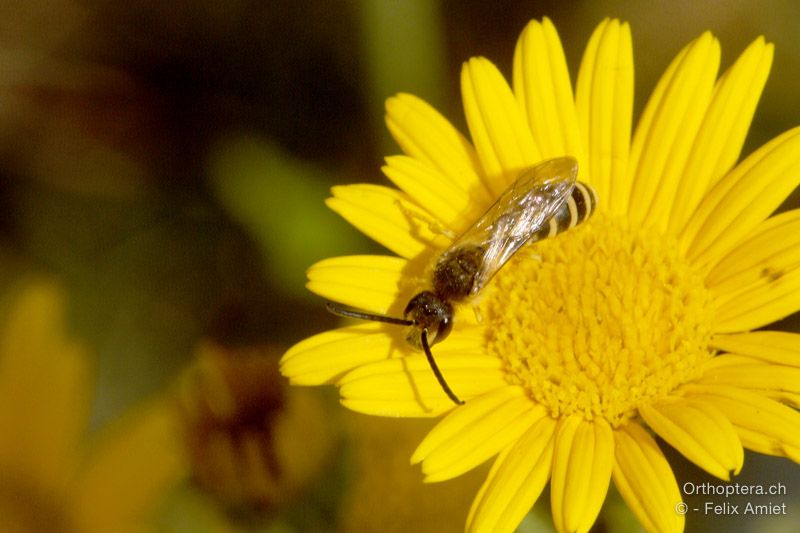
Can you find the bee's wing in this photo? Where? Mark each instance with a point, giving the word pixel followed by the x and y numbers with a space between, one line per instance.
pixel 522 210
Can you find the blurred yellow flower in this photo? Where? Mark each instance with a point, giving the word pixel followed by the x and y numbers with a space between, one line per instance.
pixel 253 443
pixel 385 495
pixel 637 322
pixel 47 481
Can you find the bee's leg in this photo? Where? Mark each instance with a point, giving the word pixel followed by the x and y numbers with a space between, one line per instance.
pixel 433 225
pixel 477 311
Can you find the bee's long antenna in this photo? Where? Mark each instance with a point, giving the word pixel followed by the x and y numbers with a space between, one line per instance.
pixel 352 313
pixel 436 372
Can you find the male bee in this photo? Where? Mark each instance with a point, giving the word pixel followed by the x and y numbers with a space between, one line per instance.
pixel 544 201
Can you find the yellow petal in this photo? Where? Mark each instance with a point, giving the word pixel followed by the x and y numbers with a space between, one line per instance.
pixel 389 217
pixel 753 374
pixel 45 385
pixel 424 134
pixel 645 480
pixel 544 92
pixel 326 357
pixel 456 208
pixel 771 249
pixel 744 198
pixel 44 413
pixel 775 381
pixel 763 425
pixel 472 434
pixel 515 482
pixel 374 283
pixel 502 138
pixel 792 399
pixel 458 421
pixel 700 432
pixel 774 346
pixel 667 129
pixel 722 133
pixel 604 102
pixel 760 304
pixel 766 444
pixel 408 387
pixel 582 464
pixel 135 464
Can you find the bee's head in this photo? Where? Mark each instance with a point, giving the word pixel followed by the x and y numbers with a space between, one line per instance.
pixel 428 312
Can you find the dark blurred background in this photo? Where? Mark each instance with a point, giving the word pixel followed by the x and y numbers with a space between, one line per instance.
pixel 168 161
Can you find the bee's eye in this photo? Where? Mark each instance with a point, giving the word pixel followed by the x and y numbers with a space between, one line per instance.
pixel 445 326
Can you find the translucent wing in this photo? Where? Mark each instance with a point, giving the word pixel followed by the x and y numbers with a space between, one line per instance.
pixel 521 211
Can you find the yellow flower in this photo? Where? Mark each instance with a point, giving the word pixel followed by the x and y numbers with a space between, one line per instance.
pixel 637 322
pixel 46 483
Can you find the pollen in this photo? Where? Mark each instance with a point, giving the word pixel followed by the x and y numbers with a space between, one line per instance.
pixel 599 320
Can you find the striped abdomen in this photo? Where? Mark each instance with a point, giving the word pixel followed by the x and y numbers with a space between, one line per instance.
pixel 579 207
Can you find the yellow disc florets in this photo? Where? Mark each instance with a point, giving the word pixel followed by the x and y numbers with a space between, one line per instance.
pixel 599 320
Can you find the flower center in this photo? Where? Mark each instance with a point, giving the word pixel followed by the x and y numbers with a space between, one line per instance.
pixel 599 320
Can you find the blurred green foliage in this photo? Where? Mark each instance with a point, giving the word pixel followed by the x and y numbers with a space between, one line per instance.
pixel 279 200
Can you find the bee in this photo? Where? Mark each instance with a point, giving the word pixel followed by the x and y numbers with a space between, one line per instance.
pixel 544 201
